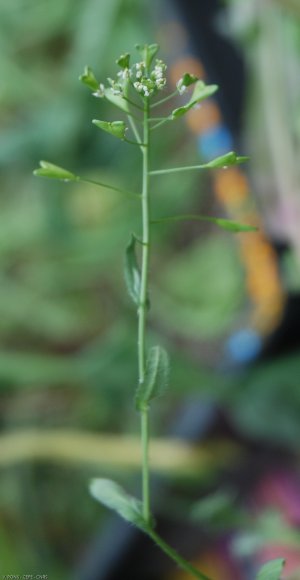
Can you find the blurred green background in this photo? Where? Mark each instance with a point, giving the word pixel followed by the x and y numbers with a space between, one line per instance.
pixel 67 326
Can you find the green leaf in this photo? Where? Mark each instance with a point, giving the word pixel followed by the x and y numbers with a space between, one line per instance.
pixel 185 81
pixel 47 169
pixel 116 128
pixel 225 161
pixel 116 100
pixel 88 78
pixel 225 224
pixel 156 377
pixel 148 52
pixel 201 92
pixel 132 271
pixel 123 60
pixel 113 496
pixel 271 570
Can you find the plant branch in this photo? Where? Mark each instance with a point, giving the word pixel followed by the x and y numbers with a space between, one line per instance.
pixel 106 186
pixel 181 562
pixel 175 169
pixel 168 98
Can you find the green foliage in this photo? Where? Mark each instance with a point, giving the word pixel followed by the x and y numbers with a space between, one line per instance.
pixel 201 92
pixel 114 497
pixel 54 172
pixel 132 271
pixel 156 378
pixel 225 161
pixel 116 128
pixel 88 78
pixel 225 224
pixel 187 305
pixel 147 52
pixel 268 396
pixel 271 570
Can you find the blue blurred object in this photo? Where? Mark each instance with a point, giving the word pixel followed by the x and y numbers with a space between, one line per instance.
pixel 214 142
pixel 243 346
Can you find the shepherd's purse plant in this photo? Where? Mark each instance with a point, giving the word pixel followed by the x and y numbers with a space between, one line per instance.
pixel 135 91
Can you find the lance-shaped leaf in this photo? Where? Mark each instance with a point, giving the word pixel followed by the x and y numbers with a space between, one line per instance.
pixel 201 92
pixel 116 128
pixel 132 271
pixel 225 161
pixel 156 378
pixel 186 81
pixel 123 60
pixel 148 52
pixel 47 169
pixel 113 496
pixel 272 570
pixel 229 225
pixel 88 78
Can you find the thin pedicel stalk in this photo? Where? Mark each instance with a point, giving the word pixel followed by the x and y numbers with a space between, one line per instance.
pixel 142 313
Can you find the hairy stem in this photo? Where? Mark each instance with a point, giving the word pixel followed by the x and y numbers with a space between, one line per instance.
pixel 142 311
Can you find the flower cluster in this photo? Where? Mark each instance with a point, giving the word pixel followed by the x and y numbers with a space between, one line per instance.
pixel 144 83
pixel 148 85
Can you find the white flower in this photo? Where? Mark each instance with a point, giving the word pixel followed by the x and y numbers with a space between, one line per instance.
pixel 100 91
pixel 181 87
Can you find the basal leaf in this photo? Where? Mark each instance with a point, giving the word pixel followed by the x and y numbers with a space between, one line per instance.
pixel 156 377
pixel 271 570
pixel 132 271
pixel 88 78
pixel 47 169
pixel 116 128
pixel 113 496
pixel 225 161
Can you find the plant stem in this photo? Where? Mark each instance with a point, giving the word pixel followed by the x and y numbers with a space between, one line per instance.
pixel 171 96
pixel 107 186
pixel 181 562
pixel 142 311
pixel 176 169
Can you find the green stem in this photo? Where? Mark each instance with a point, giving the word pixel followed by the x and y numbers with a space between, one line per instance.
pixel 145 465
pixel 171 96
pixel 142 311
pixel 162 122
pixel 176 169
pixel 181 562
pixel 106 186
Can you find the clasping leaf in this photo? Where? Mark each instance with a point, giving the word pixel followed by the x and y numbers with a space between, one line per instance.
pixel 116 128
pixel 271 570
pixel 113 496
pixel 47 169
pixel 132 271
pixel 88 78
pixel 201 92
pixel 156 378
